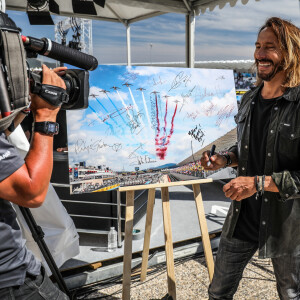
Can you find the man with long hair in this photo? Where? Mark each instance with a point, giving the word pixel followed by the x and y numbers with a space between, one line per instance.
pixel 265 212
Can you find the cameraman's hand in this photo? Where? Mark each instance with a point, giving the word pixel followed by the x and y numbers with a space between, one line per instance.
pixel 42 110
pixel 217 161
pixel 60 71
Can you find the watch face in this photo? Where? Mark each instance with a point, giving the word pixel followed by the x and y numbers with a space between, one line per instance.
pixel 51 127
pixel 47 127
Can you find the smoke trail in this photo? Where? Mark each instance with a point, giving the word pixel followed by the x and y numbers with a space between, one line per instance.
pixel 172 125
pixel 165 119
pixel 157 141
pixel 146 109
pixel 153 112
pixel 102 105
pixel 136 108
pixel 128 114
pixel 110 126
pixel 116 108
pixel 105 109
pixel 162 151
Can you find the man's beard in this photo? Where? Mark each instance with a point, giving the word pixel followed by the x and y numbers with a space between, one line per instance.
pixel 276 68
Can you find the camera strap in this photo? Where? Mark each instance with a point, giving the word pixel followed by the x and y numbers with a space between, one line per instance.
pixel 6 122
pixel 15 69
pixel 54 95
pixel 15 62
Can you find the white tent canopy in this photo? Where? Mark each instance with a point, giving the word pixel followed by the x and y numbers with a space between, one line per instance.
pixel 130 11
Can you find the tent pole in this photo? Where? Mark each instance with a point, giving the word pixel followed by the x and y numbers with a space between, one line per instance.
pixel 190 21
pixel 128 44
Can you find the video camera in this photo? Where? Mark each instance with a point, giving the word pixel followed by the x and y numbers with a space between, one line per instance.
pixel 14 71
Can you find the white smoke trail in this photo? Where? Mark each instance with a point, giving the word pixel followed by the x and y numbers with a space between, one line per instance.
pixel 136 108
pixel 146 109
pixel 126 108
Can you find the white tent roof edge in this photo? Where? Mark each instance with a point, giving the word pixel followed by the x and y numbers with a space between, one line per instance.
pixel 131 11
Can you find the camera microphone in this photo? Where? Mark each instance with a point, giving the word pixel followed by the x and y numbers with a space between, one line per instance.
pixel 59 52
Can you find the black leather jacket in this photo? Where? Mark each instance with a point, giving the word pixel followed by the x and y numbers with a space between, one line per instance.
pixel 279 231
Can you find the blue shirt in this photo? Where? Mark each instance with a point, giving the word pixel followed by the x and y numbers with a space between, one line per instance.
pixel 15 259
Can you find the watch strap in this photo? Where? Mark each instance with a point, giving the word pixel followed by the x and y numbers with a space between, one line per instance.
pixel 47 127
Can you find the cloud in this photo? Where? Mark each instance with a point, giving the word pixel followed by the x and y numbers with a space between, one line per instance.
pixel 144 71
pixel 216 105
pixel 73 137
pixel 227 33
pixel 115 96
pixel 74 119
pixel 97 92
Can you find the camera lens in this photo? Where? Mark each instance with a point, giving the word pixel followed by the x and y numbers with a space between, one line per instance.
pixel 72 87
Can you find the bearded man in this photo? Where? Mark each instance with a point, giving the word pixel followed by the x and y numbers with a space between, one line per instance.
pixel 265 212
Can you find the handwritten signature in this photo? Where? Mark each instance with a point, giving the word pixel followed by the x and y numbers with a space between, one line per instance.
pixel 133 153
pixel 82 145
pixel 201 94
pixel 128 76
pixel 134 123
pixel 158 82
pixel 192 115
pixel 137 159
pixel 189 93
pixel 180 79
pixel 141 159
pixel 197 134
pixel 224 114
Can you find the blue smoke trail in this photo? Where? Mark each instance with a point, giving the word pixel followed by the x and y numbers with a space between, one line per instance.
pixel 110 126
pixel 116 109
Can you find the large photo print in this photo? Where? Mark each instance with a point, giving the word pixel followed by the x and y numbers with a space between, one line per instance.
pixel 143 123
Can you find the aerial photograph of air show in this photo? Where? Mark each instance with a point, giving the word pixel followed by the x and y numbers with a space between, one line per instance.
pixel 143 122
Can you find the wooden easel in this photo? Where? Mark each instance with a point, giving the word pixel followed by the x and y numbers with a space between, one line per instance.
pixel 167 229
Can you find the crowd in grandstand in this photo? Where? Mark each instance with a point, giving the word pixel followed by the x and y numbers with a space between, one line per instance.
pixel 244 80
pixel 192 169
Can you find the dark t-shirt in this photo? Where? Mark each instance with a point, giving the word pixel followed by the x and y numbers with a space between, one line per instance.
pixel 247 227
pixel 15 259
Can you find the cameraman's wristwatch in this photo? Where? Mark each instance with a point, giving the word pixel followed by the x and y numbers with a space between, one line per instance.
pixel 49 128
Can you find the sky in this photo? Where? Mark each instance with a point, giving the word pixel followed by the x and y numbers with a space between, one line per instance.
pixel 222 34
pixel 149 116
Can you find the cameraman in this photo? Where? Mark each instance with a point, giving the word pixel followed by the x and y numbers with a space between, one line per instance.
pixel 26 184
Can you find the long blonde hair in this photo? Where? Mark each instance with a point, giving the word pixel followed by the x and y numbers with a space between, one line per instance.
pixel 288 36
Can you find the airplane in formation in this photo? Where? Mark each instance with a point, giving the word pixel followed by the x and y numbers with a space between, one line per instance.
pixel 104 91
pixel 93 96
pixel 127 84
pixel 141 89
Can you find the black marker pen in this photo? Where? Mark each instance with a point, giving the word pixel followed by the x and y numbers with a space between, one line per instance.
pixel 212 151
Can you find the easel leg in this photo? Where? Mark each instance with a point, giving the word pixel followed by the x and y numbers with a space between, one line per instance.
pixel 168 242
pixel 128 245
pixel 150 205
pixel 204 230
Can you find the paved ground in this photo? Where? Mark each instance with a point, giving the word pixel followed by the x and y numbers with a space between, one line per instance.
pixel 258 283
pixel 93 248
pixel 191 274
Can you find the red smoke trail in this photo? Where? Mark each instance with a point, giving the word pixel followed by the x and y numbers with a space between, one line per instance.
pixel 163 138
pixel 162 151
pixel 172 124
pixel 157 125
